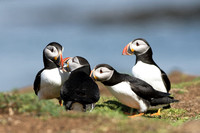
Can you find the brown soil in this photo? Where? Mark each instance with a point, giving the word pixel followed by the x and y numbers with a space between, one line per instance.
pixel 178 77
pixel 189 101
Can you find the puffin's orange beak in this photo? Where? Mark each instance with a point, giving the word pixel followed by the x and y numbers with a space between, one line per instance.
pixel 59 60
pixel 66 59
pixel 127 50
pixel 63 61
pixel 92 75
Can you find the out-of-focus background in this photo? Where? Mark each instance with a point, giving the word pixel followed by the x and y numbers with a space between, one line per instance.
pixel 98 31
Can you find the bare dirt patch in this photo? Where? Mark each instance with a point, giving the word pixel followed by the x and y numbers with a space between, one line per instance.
pixel 189 100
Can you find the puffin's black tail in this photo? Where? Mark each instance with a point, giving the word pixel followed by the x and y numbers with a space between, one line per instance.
pixel 163 100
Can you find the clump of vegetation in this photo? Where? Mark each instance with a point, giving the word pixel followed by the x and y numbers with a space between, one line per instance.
pixel 28 103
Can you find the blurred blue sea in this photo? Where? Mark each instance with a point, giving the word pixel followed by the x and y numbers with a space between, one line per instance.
pixel 97 31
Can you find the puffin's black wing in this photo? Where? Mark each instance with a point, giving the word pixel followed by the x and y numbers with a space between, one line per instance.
pixel 36 84
pixel 165 80
pixel 80 88
pixel 143 89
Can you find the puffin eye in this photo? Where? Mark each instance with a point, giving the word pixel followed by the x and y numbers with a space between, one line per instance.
pixel 137 44
pixel 73 60
pixel 101 71
pixel 51 50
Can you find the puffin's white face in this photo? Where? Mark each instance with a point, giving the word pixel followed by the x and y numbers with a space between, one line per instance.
pixel 139 46
pixel 73 64
pixel 102 74
pixel 51 52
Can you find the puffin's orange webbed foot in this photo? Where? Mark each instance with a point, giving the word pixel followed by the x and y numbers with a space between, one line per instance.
pixel 156 114
pixel 133 116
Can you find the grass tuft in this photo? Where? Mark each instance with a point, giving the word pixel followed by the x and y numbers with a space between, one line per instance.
pixel 29 104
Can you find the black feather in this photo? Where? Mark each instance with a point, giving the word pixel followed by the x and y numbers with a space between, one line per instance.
pixel 163 100
pixel 166 80
pixel 147 58
pixel 36 84
pixel 141 88
pixel 80 88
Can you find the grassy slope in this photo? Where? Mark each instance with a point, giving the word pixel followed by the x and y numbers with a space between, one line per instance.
pixel 107 116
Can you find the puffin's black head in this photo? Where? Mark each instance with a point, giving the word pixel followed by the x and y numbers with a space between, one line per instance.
pixel 52 55
pixel 138 46
pixel 77 62
pixel 102 72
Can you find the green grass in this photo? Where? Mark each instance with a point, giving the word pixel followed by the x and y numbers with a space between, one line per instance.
pixel 184 85
pixel 29 104
pixel 107 107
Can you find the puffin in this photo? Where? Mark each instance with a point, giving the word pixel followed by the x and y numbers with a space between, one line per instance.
pixel 145 67
pixel 130 91
pixel 79 92
pixel 49 80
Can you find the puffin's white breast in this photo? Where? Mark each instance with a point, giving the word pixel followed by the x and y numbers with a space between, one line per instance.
pixel 51 82
pixel 125 95
pixel 149 73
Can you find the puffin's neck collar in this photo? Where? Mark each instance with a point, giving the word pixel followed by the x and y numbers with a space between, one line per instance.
pixel 115 79
pixel 145 57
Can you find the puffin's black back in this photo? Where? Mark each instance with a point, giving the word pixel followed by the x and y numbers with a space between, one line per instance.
pixel 80 88
pixel 36 84
pixel 141 88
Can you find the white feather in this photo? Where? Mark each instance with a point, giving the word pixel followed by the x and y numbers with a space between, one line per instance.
pixel 149 73
pixel 51 82
pixel 125 95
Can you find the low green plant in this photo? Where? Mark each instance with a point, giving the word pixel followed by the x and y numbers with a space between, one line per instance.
pixel 28 103
pixel 184 85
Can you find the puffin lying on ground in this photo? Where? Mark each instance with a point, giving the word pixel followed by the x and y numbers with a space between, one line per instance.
pixel 79 92
pixel 49 80
pixel 130 91
pixel 145 68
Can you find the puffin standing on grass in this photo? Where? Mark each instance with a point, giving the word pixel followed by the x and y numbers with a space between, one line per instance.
pixel 145 68
pixel 49 80
pixel 129 90
pixel 79 92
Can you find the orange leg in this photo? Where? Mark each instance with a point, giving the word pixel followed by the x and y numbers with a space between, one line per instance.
pixel 156 114
pixel 133 116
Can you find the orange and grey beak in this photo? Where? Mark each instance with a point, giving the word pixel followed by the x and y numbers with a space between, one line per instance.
pixel 92 75
pixel 127 50
pixel 59 60
pixel 65 60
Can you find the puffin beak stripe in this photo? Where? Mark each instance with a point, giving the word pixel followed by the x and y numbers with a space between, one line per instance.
pixel 61 60
pixel 91 72
pixel 66 59
pixel 92 75
pixel 60 54
pixel 127 50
